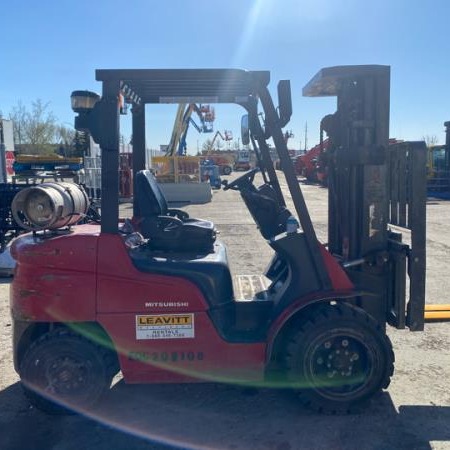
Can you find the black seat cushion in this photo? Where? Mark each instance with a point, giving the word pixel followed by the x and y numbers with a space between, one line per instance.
pixel 210 272
pixel 169 233
pixel 168 229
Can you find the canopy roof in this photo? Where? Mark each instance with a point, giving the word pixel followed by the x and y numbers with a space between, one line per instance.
pixel 186 85
pixel 328 81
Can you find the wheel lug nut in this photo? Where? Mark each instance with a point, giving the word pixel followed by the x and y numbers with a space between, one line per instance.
pixel 344 343
pixel 320 361
pixel 327 344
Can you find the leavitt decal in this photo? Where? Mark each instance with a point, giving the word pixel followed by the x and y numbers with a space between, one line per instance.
pixel 165 326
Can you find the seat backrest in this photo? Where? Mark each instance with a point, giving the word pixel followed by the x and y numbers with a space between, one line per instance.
pixel 148 197
pixel 269 215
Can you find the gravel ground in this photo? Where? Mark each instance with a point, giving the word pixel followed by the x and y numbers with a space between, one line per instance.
pixel 414 413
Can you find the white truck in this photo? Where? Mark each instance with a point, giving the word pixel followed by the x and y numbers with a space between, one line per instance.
pixel 6 161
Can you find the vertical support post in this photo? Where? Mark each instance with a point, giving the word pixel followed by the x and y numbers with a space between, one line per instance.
pixel 138 129
pixel 417 219
pixel 358 187
pixel 110 156
pixel 446 169
pixel 272 121
pixel 174 159
pixel 3 174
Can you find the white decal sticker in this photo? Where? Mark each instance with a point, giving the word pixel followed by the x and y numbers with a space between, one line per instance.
pixel 165 326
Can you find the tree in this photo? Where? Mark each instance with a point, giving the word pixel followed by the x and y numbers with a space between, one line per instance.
pixel 430 140
pixel 64 135
pixel 81 143
pixel 207 146
pixel 18 115
pixel 37 128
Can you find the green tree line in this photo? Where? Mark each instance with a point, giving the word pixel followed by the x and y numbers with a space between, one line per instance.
pixel 38 132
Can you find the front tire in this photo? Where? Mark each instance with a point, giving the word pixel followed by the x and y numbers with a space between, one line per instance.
pixel 63 372
pixel 339 359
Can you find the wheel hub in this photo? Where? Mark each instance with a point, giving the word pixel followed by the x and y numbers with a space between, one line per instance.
pixel 339 363
pixel 66 375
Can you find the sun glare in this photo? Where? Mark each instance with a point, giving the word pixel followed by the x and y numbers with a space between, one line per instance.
pixel 249 31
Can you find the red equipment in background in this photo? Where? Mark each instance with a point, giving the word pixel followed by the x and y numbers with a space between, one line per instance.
pixel 9 157
pixel 312 165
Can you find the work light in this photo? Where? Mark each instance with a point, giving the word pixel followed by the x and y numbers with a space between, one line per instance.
pixel 83 101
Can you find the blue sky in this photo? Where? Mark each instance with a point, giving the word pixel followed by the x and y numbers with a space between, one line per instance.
pixel 50 48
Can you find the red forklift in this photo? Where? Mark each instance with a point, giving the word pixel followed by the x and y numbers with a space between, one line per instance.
pixel 154 297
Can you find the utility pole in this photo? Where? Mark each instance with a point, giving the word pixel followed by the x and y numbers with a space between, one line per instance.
pixel 3 174
pixel 306 135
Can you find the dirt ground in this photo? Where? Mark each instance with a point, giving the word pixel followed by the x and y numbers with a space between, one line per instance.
pixel 414 413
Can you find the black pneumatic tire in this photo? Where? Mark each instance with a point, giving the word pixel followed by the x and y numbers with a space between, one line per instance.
pixel 338 359
pixel 62 371
pixel 227 170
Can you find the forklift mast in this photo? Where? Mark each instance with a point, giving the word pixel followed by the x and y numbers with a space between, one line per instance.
pixel 371 186
pixel 359 135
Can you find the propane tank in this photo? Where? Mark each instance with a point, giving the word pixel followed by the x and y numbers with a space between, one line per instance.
pixel 49 206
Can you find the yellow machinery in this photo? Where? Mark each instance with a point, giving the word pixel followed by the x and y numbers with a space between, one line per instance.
pixel 177 169
pixel 437 312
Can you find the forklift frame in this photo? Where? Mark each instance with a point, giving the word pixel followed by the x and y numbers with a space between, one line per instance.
pixel 149 86
pixel 323 317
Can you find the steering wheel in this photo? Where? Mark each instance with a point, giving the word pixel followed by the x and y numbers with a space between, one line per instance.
pixel 239 182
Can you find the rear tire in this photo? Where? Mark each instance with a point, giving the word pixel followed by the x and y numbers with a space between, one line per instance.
pixel 227 170
pixel 62 372
pixel 339 359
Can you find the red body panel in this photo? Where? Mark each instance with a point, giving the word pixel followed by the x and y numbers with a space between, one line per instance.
pixel 55 279
pixel 205 357
pixel 123 288
pixel 124 292
pixel 85 276
pixel 338 277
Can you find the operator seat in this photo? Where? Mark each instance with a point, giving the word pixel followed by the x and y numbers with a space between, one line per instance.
pixel 168 229
pixel 270 216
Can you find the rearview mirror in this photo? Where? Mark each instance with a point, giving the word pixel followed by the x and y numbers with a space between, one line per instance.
pixel 245 132
pixel 284 101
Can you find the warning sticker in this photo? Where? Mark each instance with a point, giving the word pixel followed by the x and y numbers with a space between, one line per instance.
pixel 165 326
